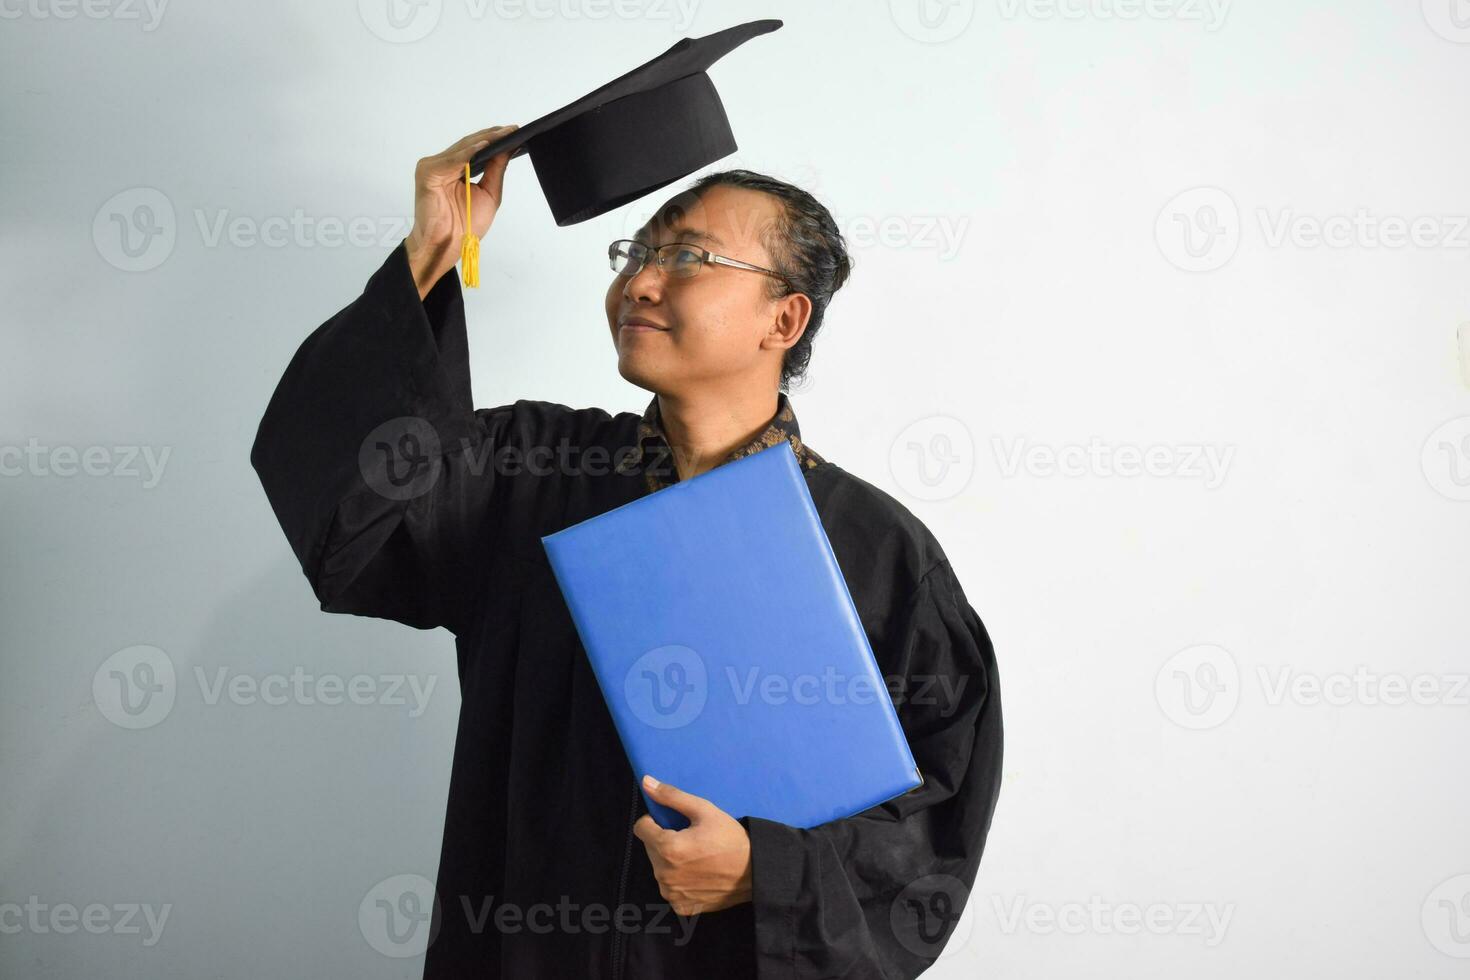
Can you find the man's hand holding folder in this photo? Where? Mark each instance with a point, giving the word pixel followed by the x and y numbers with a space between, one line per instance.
pixel 706 866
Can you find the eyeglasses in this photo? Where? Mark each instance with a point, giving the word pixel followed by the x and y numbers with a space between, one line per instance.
pixel 679 259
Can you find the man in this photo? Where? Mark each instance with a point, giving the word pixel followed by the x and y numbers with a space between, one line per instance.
pixel 404 502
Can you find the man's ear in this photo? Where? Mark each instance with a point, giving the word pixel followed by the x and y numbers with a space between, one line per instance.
pixel 792 315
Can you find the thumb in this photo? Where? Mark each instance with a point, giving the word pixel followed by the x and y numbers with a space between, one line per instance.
pixel 493 179
pixel 693 807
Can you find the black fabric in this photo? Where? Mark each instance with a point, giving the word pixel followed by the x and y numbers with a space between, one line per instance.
pixel 587 166
pixel 643 130
pixel 403 501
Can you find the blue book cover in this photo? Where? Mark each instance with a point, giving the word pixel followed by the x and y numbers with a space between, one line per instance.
pixel 728 648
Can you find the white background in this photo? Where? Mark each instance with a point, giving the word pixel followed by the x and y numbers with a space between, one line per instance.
pixel 1144 623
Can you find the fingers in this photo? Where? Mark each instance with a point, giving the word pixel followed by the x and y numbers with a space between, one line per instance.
pixel 451 161
pixel 461 149
pixel 648 831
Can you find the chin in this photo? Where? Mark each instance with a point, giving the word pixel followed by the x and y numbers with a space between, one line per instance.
pixel 648 373
pixel 633 373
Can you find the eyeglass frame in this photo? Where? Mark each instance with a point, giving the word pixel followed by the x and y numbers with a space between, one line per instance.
pixel 706 256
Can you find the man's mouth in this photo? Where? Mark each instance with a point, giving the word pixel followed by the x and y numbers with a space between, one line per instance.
pixel 639 323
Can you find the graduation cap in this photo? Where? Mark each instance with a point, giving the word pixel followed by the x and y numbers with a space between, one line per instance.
pixel 645 129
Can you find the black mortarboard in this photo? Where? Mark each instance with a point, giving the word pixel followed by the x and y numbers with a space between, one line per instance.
pixel 661 121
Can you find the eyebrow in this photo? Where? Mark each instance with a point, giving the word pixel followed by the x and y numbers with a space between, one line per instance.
pixel 682 234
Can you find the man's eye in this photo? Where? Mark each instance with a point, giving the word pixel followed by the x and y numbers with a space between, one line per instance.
pixel 686 257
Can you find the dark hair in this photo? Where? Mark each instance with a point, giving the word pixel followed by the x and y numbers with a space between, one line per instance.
pixel 805 247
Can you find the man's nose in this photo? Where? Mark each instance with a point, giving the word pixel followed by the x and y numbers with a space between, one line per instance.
pixel 646 284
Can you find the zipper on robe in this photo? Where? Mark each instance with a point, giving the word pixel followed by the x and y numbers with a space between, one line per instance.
pixel 617 943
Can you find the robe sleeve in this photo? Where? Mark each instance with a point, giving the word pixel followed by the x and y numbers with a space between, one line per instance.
pixel 877 895
pixel 375 461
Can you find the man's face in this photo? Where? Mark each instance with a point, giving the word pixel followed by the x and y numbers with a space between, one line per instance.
pixel 717 324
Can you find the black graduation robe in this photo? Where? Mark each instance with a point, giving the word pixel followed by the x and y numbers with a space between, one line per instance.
pixel 403 501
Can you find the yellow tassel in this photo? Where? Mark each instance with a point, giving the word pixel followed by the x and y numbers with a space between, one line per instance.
pixel 469 249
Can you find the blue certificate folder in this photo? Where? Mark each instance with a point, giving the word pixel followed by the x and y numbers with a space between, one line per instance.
pixel 728 648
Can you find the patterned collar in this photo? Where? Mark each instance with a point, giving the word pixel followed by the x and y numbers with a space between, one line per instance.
pixel 651 438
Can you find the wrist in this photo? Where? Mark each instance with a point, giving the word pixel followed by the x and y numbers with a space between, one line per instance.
pixel 427 264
